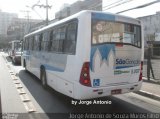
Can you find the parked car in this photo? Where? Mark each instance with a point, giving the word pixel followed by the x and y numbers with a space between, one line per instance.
pixel 15 51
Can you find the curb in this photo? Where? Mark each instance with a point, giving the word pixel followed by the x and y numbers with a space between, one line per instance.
pixel 154 81
pixel 149 95
pixel 151 81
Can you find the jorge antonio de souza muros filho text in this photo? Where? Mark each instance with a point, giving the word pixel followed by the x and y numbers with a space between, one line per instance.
pixel 89 102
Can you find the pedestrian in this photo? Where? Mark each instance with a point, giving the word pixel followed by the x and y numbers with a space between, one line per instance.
pixel 149 64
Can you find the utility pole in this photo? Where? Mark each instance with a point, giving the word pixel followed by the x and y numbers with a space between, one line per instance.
pixel 27 16
pixel 44 6
pixel 27 12
pixel 47 6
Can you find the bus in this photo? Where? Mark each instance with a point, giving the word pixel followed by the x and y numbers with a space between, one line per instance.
pixel 14 51
pixel 87 55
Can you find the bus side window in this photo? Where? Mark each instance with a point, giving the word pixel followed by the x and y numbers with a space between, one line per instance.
pixel 59 37
pixel 62 34
pixel 50 40
pixel 70 42
pixel 54 44
pixel 26 45
pixel 40 42
pixel 44 41
pixel 31 43
pixel 36 43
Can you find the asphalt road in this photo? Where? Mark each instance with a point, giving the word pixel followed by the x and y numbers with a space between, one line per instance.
pixel 49 101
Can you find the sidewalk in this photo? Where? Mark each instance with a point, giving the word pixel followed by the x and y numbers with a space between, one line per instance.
pixel 150 89
pixel 0 106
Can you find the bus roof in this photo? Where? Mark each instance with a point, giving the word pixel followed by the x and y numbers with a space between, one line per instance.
pixel 77 15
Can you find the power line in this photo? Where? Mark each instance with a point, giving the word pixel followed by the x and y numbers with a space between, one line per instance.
pixel 34 11
pixel 118 4
pixel 141 6
pixel 27 12
pixel 37 13
pixel 44 6
pixel 112 3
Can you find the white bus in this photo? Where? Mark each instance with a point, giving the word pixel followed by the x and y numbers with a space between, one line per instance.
pixel 88 55
pixel 14 51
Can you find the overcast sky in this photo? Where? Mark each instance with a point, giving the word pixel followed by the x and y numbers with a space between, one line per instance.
pixel 19 6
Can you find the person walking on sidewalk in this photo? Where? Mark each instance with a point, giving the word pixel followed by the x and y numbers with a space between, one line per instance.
pixel 149 64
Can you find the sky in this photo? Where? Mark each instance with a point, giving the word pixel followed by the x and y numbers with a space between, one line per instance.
pixel 19 6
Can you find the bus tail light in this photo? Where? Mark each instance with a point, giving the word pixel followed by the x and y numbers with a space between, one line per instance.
pixel 119 45
pixel 85 75
pixel 141 69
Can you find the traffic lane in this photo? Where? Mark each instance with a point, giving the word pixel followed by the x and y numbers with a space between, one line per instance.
pixel 53 102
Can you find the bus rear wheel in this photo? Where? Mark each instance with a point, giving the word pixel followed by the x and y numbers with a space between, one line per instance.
pixel 24 65
pixel 43 78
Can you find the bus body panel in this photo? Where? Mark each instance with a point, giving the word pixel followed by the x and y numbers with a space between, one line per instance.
pixel 83 92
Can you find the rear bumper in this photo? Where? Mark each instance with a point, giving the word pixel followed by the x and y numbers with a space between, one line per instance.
pixel 83 92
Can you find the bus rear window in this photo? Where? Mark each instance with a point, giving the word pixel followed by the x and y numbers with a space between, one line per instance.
pixel 115 32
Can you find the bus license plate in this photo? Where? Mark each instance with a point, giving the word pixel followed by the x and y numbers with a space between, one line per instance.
pixel 117 91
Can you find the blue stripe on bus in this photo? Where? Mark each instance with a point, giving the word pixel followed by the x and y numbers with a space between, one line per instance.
pixel 121 67
pixel 52 68
pixel 103 16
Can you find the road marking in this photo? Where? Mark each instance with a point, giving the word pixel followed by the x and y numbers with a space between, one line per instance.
pixel 24 98
pixel 8 66
pixel 29 107
pixel 11 71
pixel 16 82
pixel 18 86
pixel 21 91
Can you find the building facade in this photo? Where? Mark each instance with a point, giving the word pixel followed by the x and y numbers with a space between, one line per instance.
pixel 20 27
pixel 151 28
pixel 5 20
pixel 79 6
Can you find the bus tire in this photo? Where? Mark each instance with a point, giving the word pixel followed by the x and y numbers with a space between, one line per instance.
pixel 43 78
pixel 24 65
